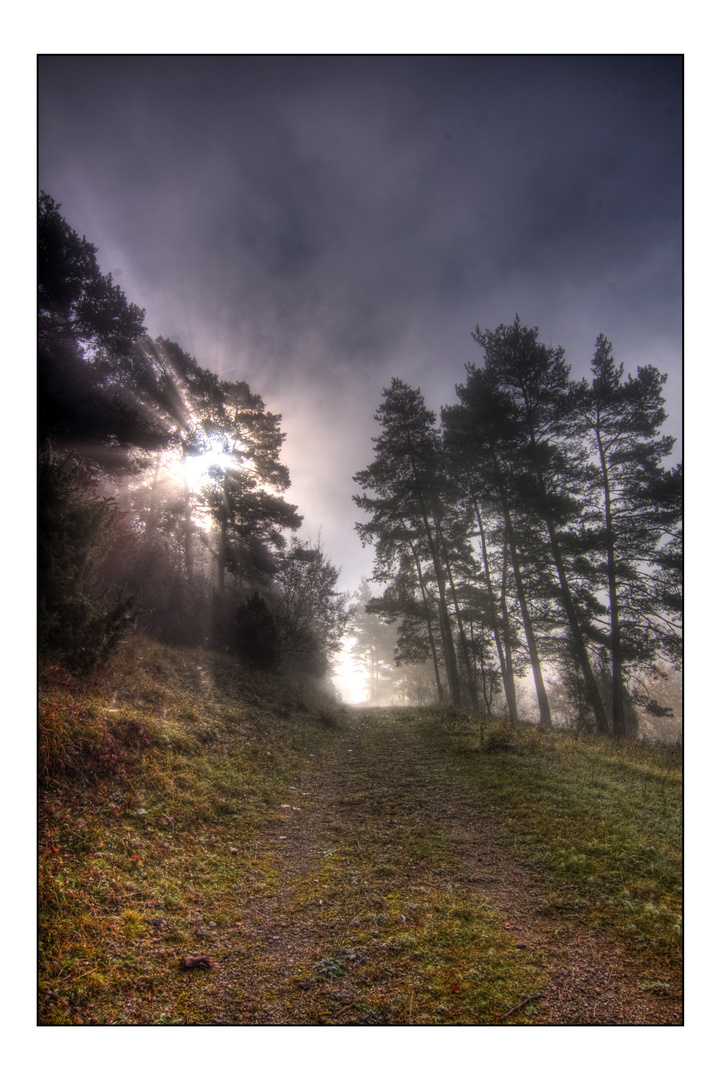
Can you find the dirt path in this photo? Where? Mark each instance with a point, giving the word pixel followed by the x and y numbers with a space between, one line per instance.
pixel 351 869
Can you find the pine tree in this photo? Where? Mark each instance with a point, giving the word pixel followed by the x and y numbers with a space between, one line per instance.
pixel 483 436
pixel 406 510
pixel 640 506
pixel 546 459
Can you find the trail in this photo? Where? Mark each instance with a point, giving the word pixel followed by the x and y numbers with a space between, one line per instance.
pixel 369 836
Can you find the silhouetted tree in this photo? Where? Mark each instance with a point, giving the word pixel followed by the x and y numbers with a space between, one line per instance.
pixel 406 509
pixel 482 432
pixel 535 380
pixel 310 613
pixel 89 372
pixel 640 506
pixel 76 301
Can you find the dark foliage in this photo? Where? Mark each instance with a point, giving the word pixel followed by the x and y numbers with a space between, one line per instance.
pixel 257 636
pixel 78 618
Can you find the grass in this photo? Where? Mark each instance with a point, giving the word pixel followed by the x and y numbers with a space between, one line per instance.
pixel 167 787
pixel 601 820
pixel 401 953
pixel 155 777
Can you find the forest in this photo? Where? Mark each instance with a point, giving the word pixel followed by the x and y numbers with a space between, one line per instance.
pixel 536 527
pixel 160 489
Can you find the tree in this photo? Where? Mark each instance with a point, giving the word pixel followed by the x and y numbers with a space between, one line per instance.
pixel 310 614
pixel 640 505
pixel 482 433
pixel 257 634
pixel 76 301
pixel 535 380
pixel 87 330
pixel 374 644
pixel 191 462
pixel 237 443
pixel 407 508
pixel 77 619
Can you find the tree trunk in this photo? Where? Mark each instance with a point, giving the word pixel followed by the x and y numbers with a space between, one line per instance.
pixel 445 625
pixel 595 698
pixel 545 714
pixel 618 718
pixel 471 680
pixel 509 685
pixel 428 617
pixel 505 661
pixel 152 513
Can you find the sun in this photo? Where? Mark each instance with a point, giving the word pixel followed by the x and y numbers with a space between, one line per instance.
pixel 196 467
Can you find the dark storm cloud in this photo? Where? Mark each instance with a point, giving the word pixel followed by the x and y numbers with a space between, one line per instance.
pixel 318 225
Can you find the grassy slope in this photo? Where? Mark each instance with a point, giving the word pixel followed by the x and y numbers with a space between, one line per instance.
pixel 150 774
pixel 158 777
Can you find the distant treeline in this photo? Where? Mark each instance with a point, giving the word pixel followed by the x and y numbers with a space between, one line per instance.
pixel 160 488
pixel 536 525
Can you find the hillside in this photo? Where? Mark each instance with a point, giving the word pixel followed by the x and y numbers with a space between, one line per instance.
pixel 220 847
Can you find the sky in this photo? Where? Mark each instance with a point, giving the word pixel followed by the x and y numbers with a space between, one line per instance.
pixel 319 225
